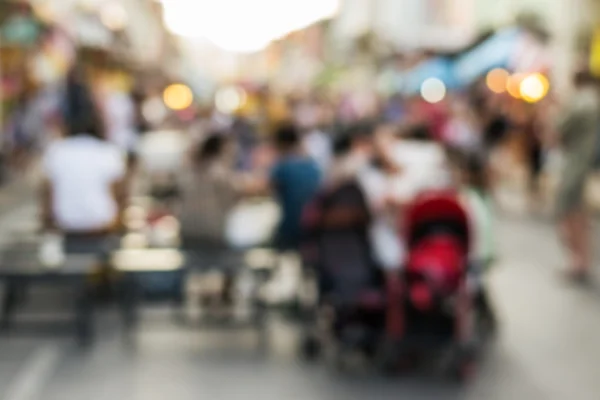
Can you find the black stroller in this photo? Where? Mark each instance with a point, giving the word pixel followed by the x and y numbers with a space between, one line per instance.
pixel 350 307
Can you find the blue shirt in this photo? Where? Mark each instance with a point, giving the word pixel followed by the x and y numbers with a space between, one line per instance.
pixel 295 180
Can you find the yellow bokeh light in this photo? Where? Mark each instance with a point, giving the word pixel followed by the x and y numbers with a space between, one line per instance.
pixel 513 85
pixel 178 97
pixel 534 88
pixel 497 80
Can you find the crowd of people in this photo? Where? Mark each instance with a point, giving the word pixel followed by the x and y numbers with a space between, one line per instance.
pixel 392 151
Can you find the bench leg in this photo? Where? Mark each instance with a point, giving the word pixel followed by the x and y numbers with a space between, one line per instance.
pixel 84 316
pixel 129 295
pixel 9 304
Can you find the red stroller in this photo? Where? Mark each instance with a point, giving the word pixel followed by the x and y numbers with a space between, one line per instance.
pixel 431 302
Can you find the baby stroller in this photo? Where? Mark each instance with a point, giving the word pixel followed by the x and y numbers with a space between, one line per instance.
pixel 349 311
pixel 432 302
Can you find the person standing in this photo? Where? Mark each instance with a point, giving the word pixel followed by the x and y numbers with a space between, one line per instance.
pixel 578 135
pixel 211 188
pixel 294 180
pixel 120 119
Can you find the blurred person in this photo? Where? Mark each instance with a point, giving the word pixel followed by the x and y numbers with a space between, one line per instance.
pixel 495 126
pixel 317 144
pixel 362 156
pixel 394 109
pixel 423 160
pixel 380 181
pixel 83 196
pixel 315 140
pixel 22 132
pixel 84 174
pixel 211 189
pixel 534 148
pixel 355 152
pixel 142 125
pixel 294 181
pixel 578 134
pixel 246 136
pixel 461 132
pixel 120 118
pixel 473 185
pixel 434 116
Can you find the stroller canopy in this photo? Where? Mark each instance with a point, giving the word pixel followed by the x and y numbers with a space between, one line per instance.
pixel 440 208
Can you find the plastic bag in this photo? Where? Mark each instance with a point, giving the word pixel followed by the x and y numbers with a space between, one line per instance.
pixel 387 246
pixel 251 224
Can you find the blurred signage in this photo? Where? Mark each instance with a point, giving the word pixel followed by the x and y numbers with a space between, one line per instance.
pixel 496 52
pixel 20 30
pixel 595 54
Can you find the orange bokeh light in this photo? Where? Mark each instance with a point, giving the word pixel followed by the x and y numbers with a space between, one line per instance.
pixel 497 80
pixel 513 85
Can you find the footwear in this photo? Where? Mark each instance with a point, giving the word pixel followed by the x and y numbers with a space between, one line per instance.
pixel 577 276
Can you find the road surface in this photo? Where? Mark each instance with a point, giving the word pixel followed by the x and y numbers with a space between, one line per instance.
pixel 548 348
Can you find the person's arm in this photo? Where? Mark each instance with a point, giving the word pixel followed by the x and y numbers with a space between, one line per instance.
pixel 253 186
pixel 263 183
pixel 119 191
pixel 47 218
pixel 117 174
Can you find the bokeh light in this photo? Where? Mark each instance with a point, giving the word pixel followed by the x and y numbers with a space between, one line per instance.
pixel 513 85
pixel 153 110
pixel 433 90
pixel 114 16
pixel 230 99
pixel 178 97
pixel 496 80
pixel 534 88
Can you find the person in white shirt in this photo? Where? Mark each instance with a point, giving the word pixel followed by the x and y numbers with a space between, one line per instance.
pixel 84 175
pixel 319 147
pixel 380 183
pixel 424 163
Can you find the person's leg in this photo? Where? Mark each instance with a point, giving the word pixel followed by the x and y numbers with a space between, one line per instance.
pixel 565 234
pixel 574 229
pixel 581 241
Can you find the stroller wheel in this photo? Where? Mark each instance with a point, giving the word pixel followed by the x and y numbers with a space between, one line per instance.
pixel 465 371
pixel 464 367
pixel 310 348
pixel 387 359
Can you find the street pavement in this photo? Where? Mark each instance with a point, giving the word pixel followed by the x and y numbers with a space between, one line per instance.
pixel 547 348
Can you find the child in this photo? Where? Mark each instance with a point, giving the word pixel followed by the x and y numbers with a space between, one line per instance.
pixel 472 183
